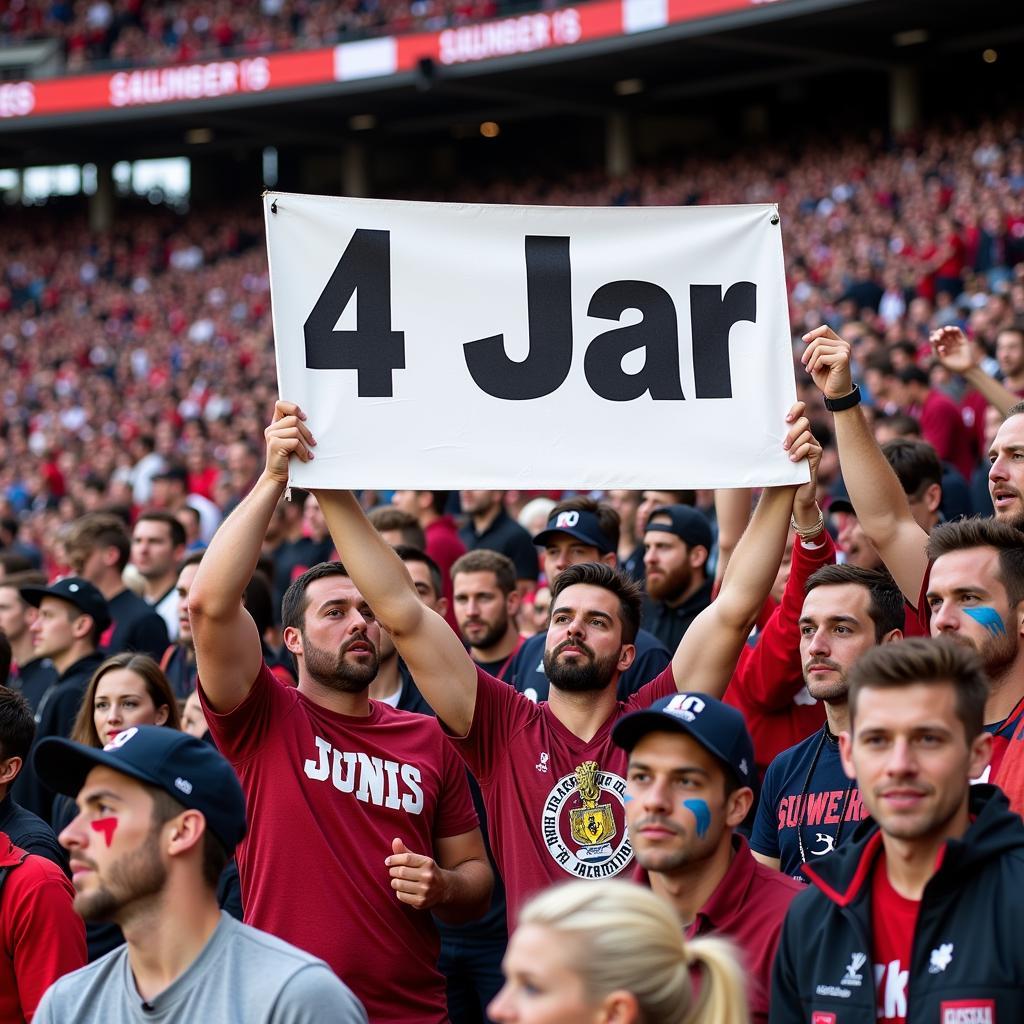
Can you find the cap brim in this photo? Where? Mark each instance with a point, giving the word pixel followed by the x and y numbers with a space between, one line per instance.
pixel 34 595
pixel 545 535
pixel 64 765
pixel 631 729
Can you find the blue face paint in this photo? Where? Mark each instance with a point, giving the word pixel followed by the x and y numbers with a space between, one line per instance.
pixel 989 618
pixel 627 798
pixel 701 814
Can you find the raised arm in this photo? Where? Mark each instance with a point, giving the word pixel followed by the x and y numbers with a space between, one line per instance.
pixel 228 648
pixel 958 355
pixel 878 499
pixel 444 672
pixel 707 654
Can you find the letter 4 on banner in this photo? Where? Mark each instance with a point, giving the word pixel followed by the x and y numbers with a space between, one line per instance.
pixel 444 346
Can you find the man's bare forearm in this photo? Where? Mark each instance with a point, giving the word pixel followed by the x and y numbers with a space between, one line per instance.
pixel 993 391
pixel 230 560
pixel 468 889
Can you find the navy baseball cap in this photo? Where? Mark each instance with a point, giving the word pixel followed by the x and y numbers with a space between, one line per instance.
pixel 717 727
pixel 191 771
pixel 688 524
pixel 578 523
pixel 77 591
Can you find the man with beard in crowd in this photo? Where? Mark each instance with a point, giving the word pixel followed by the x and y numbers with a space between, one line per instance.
pixel 159 814
pixel 677 542
pixel 486 605
pixel 580 529
pixel 975 597
pixel 369 801
pixel 551 777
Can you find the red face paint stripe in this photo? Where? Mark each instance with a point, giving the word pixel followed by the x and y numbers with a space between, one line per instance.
pixel 106 826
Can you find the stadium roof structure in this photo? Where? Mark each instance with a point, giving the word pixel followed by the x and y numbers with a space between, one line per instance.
pixel 589 58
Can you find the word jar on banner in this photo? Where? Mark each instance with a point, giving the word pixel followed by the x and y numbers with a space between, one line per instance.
pixel 427 321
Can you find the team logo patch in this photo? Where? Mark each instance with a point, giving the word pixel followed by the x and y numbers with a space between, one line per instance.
pixel 823 1017
pixel 967 1011
pixel 584 823
pixel 567 520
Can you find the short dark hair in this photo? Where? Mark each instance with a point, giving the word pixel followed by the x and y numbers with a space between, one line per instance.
pixel 932 662
pixel 607 517
pixel 886 606
pixel 293 604
pixel 913 375
pixel 597 574
pixel 158 515
pixel 1014 410
pixel 259 601
pixel 192 558
pixel 900 422
pixel 215 855
pixel 438 501
pixel 407 553
pixel 100 530
pixel 486 560
pixel 12 562
pixel 976 532
pixel 26 578
pixel 387 517
pixel 915 463
pixel 17 723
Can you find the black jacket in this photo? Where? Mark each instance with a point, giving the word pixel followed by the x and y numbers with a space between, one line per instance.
pixel 968 959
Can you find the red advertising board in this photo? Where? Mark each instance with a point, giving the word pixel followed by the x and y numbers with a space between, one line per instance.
pixel 370 58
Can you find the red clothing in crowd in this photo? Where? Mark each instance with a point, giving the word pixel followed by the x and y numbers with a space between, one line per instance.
pixel 530 768
pixel 41 936
pixel 445 548
pixel 768 684
pixel 942 426
pixel 748 906
pixel 893 921
pixel 326 794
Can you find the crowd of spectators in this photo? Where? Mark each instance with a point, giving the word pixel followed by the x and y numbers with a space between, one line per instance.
pixel 131 33
pixel 150 345
pixel 137 380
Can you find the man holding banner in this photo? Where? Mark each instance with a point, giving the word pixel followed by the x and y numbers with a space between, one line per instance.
pixel 361 816
pixel 553 781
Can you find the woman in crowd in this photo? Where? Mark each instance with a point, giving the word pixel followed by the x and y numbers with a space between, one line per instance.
pixel 604 952
pixel 127 689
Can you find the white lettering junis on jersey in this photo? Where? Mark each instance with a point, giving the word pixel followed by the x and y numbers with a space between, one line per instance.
pixel 371 779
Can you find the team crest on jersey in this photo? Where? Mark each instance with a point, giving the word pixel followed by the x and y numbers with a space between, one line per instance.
pixel 584 823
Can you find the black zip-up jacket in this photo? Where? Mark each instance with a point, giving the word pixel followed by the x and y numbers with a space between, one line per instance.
pixel 967 964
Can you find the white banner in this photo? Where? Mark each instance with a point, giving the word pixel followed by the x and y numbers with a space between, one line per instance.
pixel 446 346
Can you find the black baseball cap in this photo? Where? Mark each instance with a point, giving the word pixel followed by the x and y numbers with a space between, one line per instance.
pixel 688 524
pixel 77 591
pixel 717 727
pixel 578 523
pixel 191 771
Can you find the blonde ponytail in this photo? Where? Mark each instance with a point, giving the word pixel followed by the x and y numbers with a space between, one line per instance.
pixel 625 938
pixel 722 997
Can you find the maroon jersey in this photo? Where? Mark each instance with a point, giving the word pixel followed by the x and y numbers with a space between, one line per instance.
pixel 326 794
pixel 555 804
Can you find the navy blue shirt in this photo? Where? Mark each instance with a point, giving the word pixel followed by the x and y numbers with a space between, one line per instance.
pixel 508 537
pixel 528 677
pixel 787 805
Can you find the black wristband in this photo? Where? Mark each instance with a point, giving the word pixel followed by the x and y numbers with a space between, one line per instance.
pixel 846 402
